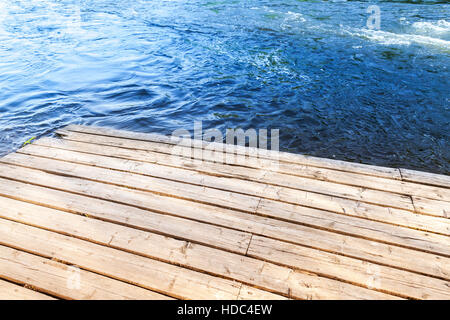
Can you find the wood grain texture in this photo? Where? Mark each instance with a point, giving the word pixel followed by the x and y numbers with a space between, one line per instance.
pixel 61 280
pixel 11 291
pixel 425 178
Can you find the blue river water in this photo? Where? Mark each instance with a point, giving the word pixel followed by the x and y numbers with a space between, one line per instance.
pixel 335 87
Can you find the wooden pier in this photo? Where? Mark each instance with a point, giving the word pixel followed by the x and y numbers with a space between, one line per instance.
pixel 107 214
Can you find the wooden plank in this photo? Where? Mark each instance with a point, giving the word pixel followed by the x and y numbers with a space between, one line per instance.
pixel 59 279
pixel 352 270
pixel 355 247
pixel 315 218
pixel 393 216
pixel 432 207
pixel 371 182
pixel 154 275
pixel 312 185
pixel 269 154
pixel 267 276
pixel 46 147
pixel 425 178
pixel 251 293
pixel 340 190
pixel 175 226
pixel 11 291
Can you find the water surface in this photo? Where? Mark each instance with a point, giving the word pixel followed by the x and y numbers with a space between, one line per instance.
pixel 313 69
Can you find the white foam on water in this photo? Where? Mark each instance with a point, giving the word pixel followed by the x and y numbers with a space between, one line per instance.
pixel 3 15
pixel 291 20
pixel 297 16
pixel 390 38
pixel 434 27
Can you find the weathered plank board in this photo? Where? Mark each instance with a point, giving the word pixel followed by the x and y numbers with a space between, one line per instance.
pixel 61 280
pixel 11 291
pixel 251 293
pixel 425 178
pixel 432 207
pixel 256 272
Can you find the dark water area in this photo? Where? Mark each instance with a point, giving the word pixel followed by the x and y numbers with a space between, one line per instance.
pixel 312 69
